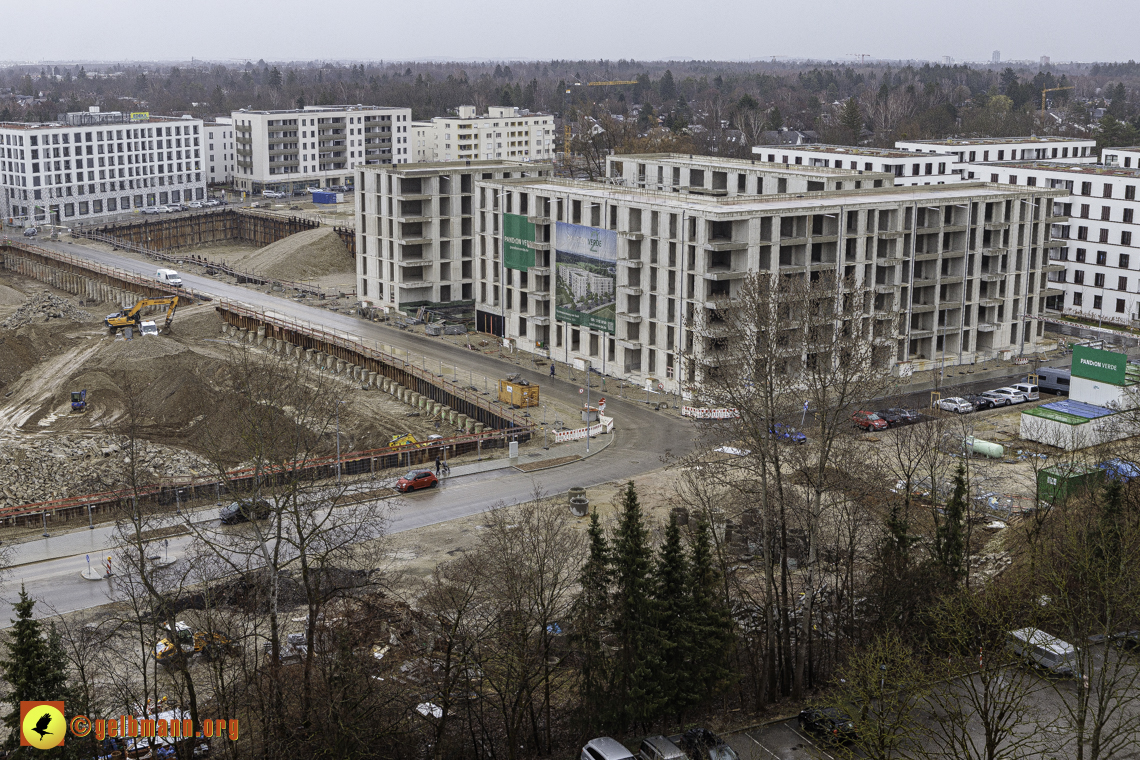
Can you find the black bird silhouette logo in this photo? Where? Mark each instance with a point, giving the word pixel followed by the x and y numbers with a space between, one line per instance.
pixel 42 724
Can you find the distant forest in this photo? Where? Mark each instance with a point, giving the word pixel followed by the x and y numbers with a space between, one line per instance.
pixel 703 106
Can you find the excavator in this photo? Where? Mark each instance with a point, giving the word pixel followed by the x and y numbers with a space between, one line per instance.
pixel 189 641
pixel 79 402
pixel 133 316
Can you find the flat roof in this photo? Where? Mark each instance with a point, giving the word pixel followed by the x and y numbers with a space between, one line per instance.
pixel 317 109
pixel 997 140
pixel 125 121
pixel 777 167
pixel 436 167
pixel 1130 148
pixel 847 150
pixel 1061 166
pixel 808 201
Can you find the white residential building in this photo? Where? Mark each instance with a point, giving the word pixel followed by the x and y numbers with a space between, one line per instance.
pixel 414 230
pixel 316 146
pixel 1125 158
pixel 219 153
pixel 942 273
pixel 95 164
pixel 907 168
pixel 503 133
pixel 968 150
pixel 1094 267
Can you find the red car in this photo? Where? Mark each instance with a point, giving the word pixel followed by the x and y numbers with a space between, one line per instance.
pixel 869 421
pixel 417 479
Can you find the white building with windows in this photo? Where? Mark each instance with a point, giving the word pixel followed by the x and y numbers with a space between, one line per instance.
pixel 316 146
pixel 1094 267
pixel 968 150
pixel 907 168
pixel 95 164
pixel 219 151
pixel 503 133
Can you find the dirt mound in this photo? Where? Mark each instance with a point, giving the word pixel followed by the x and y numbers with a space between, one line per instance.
pixel 11 296
pixel 302 256
pixel 44 308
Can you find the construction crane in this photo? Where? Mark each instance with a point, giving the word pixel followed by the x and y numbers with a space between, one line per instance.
pixel 133 317
pixel 861 56
pixel 566 118
pixel 1051 89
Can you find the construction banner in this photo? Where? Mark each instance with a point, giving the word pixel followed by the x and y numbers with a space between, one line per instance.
pixel 517 232
pixel 586 276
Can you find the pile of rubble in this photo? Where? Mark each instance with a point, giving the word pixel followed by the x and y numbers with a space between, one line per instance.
pixel 41 469
pixel 44 308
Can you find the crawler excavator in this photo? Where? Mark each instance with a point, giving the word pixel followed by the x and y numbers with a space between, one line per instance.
pixel 133 317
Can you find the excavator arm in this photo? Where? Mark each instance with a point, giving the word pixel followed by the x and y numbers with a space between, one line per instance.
pixel 133 316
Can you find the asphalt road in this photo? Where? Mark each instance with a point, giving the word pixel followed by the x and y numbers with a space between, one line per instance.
pixel 643 439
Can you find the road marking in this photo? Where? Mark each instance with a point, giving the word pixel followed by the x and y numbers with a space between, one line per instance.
pixel 811 744
pixel 761 746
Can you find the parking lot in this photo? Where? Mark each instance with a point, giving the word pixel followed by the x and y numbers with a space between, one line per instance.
pixel 781 740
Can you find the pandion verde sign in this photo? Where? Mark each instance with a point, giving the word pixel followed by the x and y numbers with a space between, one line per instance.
pixel 517 232
pixel 1097 364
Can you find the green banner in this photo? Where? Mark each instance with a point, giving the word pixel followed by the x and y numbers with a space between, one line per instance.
pixel 517 232
pixel 1097 364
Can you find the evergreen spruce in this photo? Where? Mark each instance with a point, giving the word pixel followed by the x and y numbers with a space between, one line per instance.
pixel 35 668
pixel 591 616
pixel 674 601
pixel 637 695
pixel 712 627
pixel 852 119
pixel 949 533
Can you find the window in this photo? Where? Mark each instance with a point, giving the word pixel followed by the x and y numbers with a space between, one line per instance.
pixel 1107 190
pixel 1097 301
pixel 1032 182
pixel 994 178
pixel 1098 280
pixel 1013 179
pixel 1084 211
pixel 1082 233
pixel 1104 236
pixel 1105 213
pixel 1079 277
pixel 1122 283
pixel 1126 238
pixel 1119 305
pixel 1128 216
pixel 1086 188
pixel 1101 258
pixel 1129 190
pixel 1124 261
pixel 1081 255
pixel 1078 299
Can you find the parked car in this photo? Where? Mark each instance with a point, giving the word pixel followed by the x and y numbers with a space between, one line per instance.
pixel 896 416
pixel 1044 651
pixel 828 723
pixel 605 748
pixel 1027 389
pixel 659 748
pixel 163 210
pixel 1128 641
pixel 417 479
pixel 980 402
pixel 272 194
pixel 1013 394
pixel 783 432
pixel 168 277
pixel 955 404
pixel 868 421
pixel 30 231
pixel 195 204
pixel 211 202
pixel 702 744
pixel 239 512
pixel 151 210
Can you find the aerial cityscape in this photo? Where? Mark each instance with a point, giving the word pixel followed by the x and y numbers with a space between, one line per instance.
pixel 670 392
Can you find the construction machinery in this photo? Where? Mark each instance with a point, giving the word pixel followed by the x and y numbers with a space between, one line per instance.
pixel 188 641
pixel 407 439
pixel 79 402
pixel 133 317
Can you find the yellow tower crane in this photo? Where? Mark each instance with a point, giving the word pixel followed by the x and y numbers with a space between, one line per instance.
pixel 566 117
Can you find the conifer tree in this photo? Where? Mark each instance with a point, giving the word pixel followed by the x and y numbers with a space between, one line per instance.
pixel 36 665
pixel 674 602
pixel 592 616
pixel 949 534
pixel 711 620
pixel 637 697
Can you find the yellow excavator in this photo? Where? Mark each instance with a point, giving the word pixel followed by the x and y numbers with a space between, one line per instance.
pixel 210 645
pixel 133 317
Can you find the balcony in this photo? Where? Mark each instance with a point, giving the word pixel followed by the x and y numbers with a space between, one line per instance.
pixel 1051 291
pixel 889 234
pixel 725 274
pixel 1053 268
pixel 537 246
pixel 631 235
pixel 992 276
pixel 1056 243
pixel 987 301
pixel 539 220
pixel 986 327
pixel 885 287
pixel 731 245
pixel 996 225
pixel 633 318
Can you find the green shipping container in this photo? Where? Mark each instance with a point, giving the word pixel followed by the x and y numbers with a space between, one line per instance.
pixel 1056 484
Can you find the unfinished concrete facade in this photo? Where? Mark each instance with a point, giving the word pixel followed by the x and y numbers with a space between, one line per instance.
pixel 945 272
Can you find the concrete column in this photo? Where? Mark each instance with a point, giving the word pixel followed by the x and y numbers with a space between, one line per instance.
pixel 461 422
pixel 479 427
pixel 469 425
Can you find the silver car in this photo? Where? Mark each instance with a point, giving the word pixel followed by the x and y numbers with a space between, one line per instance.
pixel 955 404
pixel 1015 396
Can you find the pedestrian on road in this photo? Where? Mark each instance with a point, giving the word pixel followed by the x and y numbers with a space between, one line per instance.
pixel 437 464
pixel 552 369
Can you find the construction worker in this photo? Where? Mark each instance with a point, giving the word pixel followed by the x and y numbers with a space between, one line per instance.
pixel 552 369
pixel 437 465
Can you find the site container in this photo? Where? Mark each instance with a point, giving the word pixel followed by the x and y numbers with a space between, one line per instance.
pixel 518 394
pixel 1058 483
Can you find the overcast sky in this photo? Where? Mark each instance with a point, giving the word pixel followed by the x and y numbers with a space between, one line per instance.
pixel 301 30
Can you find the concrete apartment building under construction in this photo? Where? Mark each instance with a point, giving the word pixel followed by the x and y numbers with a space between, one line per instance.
pixel 948 273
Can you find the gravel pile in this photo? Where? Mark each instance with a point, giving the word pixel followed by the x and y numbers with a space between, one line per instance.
pixel 44 308
pixel 66 465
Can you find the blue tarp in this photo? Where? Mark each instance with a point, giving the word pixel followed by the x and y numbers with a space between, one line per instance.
pixel 1119 469
pixel 1078 409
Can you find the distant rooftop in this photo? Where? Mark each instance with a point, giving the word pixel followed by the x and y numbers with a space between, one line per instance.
pixel 96 119
pixel 775 167
pixel 1061 166
pixel 841 150
pixel 436 167
pixel 317 109
pixel 998 140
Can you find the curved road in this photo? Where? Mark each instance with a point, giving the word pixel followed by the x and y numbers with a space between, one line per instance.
pixel 644 438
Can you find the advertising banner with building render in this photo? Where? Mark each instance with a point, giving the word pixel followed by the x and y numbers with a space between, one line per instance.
pixel 586 276
pixel 517 232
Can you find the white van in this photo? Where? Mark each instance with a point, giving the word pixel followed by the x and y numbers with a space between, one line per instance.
pixel 168 277
pixel 1029 390
pixel 1044 651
